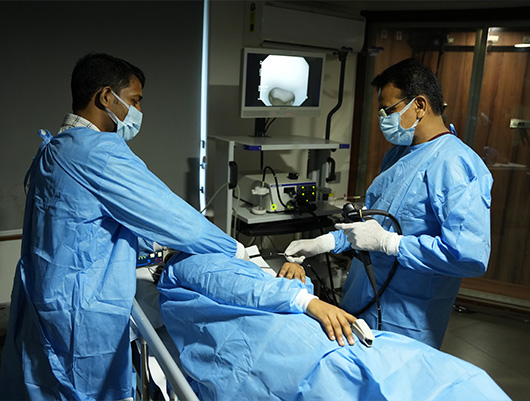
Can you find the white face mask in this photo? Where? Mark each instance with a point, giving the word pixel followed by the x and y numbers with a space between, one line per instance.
pixel 392 129
pixel 131 124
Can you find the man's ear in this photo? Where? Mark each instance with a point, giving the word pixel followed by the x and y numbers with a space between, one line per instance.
pixel 421 105
pixel 103 98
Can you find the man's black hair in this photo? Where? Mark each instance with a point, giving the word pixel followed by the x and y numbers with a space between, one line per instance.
pixel 97 70
pixel 413 79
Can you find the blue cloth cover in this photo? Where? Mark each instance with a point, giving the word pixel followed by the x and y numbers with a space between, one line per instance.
pixel 241 337
pixel 89 200
pixel 439 191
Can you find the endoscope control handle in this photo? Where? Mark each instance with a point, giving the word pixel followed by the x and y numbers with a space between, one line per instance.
pixel 350 213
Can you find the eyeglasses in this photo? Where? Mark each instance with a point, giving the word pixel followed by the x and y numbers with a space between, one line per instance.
pixel 383 112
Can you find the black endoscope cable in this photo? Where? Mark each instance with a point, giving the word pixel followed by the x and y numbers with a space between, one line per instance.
pixel 303 209
pixel 323 293
pixel 276 181
pixel 328 261
pixel 352 214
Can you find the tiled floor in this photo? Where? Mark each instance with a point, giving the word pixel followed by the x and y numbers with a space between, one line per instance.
pixel 498 342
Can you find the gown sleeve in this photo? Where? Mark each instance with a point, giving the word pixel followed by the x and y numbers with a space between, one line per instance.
pixel 231 281
pixel 341 242
pixel 133 196
pixel 459 195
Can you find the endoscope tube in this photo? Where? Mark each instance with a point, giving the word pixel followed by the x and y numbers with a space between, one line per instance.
pixel 351 214
pixel 374 212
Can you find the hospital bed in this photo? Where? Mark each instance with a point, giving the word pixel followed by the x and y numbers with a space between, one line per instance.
pixel 414 370
pixel 158 356
pixel 150 344
pixel 158 364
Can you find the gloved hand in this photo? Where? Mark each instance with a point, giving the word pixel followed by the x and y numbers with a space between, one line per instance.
pixel 241 252
pixel 298 250
pixel 370 236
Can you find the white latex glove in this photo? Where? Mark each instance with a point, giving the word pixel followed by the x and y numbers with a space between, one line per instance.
pixel 241 252
pixel 370 236
pixel 298 250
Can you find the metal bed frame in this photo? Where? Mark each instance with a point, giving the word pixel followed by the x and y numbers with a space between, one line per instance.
pixel 151 344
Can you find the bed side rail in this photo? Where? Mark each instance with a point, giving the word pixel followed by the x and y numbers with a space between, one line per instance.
pixel 156 347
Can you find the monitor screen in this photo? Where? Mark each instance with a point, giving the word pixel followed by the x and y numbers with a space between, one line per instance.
pixel 280 83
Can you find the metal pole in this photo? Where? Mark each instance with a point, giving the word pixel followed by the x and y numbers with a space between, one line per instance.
pixel 475 87
pixel 204 106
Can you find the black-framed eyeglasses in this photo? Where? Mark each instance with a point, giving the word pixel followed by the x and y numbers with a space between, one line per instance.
pixel 384 112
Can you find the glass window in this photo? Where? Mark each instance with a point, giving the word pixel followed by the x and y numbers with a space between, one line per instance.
pixel 501 138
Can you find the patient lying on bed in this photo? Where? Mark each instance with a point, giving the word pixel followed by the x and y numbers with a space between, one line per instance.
pixel 242 335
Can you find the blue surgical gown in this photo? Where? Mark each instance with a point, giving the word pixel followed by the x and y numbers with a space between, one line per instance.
pixel 89 201
pixel 242 336
pixel 439 191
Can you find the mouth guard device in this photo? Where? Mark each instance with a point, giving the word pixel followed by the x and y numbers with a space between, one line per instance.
pixel 361 330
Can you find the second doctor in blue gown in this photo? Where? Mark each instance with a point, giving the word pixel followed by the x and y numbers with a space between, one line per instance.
pixel 439 191
pixel 89 202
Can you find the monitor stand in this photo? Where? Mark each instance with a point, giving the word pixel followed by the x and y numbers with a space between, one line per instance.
pixel 259 127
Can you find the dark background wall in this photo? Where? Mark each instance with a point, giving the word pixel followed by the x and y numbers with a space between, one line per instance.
pixel 40 43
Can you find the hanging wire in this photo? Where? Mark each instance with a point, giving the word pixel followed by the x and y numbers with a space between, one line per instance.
pixel 214 196
pixel 236 211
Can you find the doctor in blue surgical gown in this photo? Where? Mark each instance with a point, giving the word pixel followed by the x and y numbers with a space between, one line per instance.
pixel 438 189
pixel 89 202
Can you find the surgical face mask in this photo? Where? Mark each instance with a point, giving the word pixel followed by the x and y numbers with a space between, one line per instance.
pixel 130 126
pixel 392 129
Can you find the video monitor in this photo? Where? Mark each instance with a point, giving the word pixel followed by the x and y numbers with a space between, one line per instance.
pixel 281 83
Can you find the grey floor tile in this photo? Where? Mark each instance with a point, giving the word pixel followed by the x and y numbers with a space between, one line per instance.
pixel 497 344
pixel 507 343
